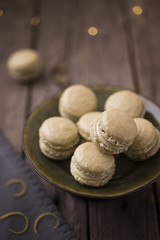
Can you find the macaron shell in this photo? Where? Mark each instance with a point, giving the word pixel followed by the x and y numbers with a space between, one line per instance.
pixel 156 148
pixel 105 137
pixel 24 65
pixel 64 114
pixel 54 153
pixel 89 158
pixel 85 122
pixel 90 181
pixel 22 60
pixel 77 100
pixel 119 125
pixel 60 132
pixel 128 102
pixel 23 77
pixel 146 152
pixel 103 140
pixel 146 134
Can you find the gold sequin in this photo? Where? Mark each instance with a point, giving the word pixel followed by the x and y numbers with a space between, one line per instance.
pixel 19 214
pixel 1 12
pixel 137 10
pixel 92 31
pixel 35 21
pixel 24 190
pixel 43 215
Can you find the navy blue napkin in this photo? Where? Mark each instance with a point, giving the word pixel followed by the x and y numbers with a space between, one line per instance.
pixel 33 203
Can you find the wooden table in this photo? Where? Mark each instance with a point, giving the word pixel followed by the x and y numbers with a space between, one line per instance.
pixel 125 52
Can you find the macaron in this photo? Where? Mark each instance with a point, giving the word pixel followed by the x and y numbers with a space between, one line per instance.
pixel 126 101
pixel 58 138
pixel 90 166
pixel 77 100
pixel 146 143
pixel 84 124
pixel 114 131
pixel 24 65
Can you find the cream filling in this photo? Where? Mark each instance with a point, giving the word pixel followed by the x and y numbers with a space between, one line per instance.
pixel 25 75
pixel 103 142
pixel 146 154
pixel 104 147
pixel 93 174
pixel 155 148
pixel 90 176
pixel 147 148
pixel 58 147
pixel 104 135
pixel 55 154
pixel 27 69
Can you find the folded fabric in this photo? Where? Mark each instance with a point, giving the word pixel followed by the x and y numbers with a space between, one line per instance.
pixel 27 201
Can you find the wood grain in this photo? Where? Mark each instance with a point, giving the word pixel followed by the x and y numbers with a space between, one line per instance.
pixel 54 45
pixel 125 218
pixel 106 53
pixel 15 26
pixel 125 52
pixel 120 222
pixel 143 42
pixel 93 60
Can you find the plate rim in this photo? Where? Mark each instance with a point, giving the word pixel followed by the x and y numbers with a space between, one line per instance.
pixel 68 190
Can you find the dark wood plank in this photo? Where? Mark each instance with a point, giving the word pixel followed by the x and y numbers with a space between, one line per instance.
pixel 130 217
pixel 101 59
pixel 144 40
pixel 111 218
pixel 15 34
pixel 57 20
pixel 53 33
pixel 74 210
pixel 106 53
pixel 143 37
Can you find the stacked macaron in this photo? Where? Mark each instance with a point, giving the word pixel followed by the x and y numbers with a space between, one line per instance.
pixel 126 101
pixel 146 143
pixel 121 128
pixel 85 122
pixel 90 166
pixel 114 131
pixel 58 138
pixel 24 65
pixel 77 100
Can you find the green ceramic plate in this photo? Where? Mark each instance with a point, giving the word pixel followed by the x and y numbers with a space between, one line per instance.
pixel 129 177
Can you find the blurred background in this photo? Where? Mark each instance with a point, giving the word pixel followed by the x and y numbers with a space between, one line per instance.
pixel 89 42
pixel 80 41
